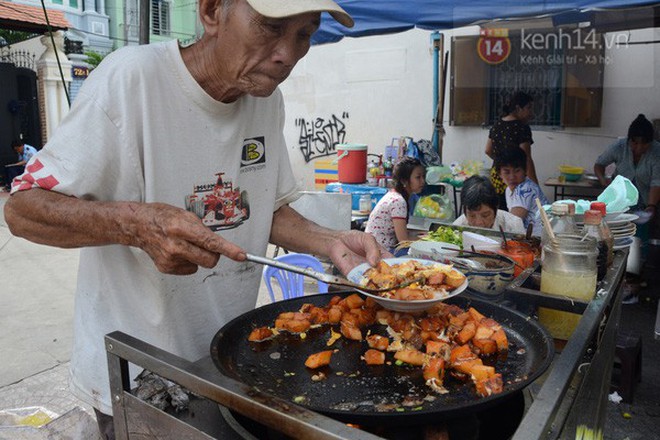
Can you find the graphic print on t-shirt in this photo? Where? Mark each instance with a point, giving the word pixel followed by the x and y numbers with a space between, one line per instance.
pixel 254 151
pixel 220 205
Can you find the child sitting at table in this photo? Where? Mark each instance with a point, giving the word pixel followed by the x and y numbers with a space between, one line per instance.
pixel 479 202
pixel 521 192
pixel 388 220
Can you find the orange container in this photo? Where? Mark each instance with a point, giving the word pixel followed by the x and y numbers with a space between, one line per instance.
pixel 520 252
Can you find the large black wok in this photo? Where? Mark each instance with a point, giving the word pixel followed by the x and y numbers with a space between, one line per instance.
pixel 356 393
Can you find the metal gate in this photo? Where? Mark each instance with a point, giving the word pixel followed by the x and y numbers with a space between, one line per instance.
pixel 18 104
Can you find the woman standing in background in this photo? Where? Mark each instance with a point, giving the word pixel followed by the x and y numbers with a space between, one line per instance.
pixel 512 131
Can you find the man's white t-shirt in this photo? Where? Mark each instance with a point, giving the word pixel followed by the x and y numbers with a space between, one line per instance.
pixel 142 129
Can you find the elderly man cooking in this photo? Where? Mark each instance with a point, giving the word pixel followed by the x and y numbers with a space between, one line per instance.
pixel 170 158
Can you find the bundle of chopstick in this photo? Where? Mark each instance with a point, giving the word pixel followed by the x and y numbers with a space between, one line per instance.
pixel 546 221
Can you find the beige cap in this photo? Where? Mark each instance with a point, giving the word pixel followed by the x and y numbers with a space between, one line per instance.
pixel 287 8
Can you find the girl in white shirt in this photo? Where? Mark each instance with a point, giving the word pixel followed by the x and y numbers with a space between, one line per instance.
pixel 389 219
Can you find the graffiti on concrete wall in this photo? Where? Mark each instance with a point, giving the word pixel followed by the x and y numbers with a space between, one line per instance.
pixel 319 137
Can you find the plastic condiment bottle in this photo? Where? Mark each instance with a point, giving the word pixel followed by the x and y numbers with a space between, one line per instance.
pixel 561 220
pixel 365 203
pixel 602 208
pixel 592 228
pixel 387 167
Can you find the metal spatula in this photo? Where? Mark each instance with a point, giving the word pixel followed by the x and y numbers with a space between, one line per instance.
pixel 322 276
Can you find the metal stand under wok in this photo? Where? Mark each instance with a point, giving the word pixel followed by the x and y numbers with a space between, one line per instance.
pixel 575 391
pixel 571 396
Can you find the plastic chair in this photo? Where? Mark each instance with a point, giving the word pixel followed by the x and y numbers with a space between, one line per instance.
pixel 291 284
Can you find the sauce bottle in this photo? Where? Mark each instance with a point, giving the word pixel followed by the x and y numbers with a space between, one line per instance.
pixel 592 228
pixel 561 220
pixel 605 230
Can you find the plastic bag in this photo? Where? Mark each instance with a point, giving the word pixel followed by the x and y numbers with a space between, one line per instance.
pixel 434 206
pixel 413 151
pixel 427 154
pixel 435 175
pixel 34 416
pixel 619 195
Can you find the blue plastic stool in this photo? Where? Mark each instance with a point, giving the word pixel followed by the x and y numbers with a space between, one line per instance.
pixel 291 283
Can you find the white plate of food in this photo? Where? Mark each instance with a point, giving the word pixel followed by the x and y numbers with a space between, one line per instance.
pixel 433 250
pixel 439 282
pixel 480 242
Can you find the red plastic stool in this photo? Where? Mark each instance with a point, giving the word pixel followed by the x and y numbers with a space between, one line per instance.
pixel 628 362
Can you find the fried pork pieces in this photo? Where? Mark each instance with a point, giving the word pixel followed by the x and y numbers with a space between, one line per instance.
pixel 444 337
pixel 431 279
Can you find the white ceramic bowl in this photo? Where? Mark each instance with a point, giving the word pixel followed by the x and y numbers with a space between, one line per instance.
pixel 494 278
pixel 357 275
pixel 432 250
pixel 480 242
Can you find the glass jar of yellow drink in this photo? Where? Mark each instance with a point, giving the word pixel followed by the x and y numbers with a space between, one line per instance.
pixel 568 270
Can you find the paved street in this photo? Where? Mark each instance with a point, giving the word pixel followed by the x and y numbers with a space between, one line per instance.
pixel 36 329
pixel 36 306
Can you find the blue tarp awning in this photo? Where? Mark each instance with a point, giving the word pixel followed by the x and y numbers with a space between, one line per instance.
pixel 374 17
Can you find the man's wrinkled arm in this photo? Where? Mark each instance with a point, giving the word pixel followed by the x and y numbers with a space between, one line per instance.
pixel 51 218
pixel 175 239
pixel 346 249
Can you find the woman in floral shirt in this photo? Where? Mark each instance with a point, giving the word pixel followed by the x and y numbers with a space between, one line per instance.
pixel 389 219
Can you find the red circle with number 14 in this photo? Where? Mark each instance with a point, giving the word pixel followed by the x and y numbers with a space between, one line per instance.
pixel 494 50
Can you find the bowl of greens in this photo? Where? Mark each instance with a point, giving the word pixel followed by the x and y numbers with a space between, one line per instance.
pixel 446 234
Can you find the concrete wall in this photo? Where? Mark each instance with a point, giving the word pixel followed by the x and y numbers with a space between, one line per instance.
pixel 33 45
pixel 372 89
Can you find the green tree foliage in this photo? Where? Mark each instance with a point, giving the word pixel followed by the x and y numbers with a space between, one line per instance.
pixel 94 58
pixel 10 37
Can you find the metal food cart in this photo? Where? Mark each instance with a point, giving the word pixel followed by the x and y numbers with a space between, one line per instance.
pixel 569 398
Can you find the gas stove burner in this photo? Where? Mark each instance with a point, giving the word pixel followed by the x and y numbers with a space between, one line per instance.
pixel 496 423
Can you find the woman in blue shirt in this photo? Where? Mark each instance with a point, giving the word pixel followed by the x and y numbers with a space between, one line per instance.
pixel 638 159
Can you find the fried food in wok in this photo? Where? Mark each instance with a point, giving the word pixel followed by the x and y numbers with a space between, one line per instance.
pixel 445 338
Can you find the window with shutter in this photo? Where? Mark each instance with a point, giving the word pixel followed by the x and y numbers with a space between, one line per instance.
pixel 160 17
pixel 567 89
